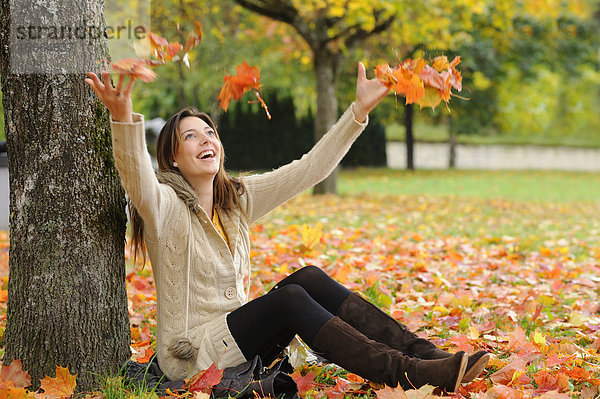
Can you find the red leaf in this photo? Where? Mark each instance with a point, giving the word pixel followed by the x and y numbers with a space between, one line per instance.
pixel 547 381
pixel 205 380
pixel 14 375
pixel 578 373
pixel 507 373
pixel 338 390
pixel 305 383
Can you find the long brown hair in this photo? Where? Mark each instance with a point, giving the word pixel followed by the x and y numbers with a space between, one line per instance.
pixel 226 189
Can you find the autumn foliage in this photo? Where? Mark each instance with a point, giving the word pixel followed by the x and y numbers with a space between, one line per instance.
pixel 161 52
pixel 421 83
pixel 440 265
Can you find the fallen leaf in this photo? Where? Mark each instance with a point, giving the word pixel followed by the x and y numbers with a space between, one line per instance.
pixel 14 374
pixel 61 386
pixel 305 383
pixel 311 235
pixel 205 380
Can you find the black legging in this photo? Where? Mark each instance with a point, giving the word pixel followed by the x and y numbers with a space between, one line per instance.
pixel 300 304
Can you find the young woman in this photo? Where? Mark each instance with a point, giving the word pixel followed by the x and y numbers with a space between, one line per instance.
pixel 195 228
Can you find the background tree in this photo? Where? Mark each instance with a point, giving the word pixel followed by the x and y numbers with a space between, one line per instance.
pixel 330 29
pixel 67 303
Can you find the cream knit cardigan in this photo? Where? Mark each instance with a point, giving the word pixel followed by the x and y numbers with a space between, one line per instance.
pixel 198 279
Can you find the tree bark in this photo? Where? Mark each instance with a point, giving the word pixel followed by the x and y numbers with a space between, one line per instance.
pixel 67 302
pixel 325 65
pixel 410 139
pixel 451 145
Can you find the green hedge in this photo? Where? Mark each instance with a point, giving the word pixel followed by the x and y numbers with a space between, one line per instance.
pixel 253 142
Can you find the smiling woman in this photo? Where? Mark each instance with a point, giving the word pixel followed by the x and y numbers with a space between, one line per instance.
pixel 195 219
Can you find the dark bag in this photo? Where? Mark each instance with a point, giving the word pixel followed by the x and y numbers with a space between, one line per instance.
pixel 238 382
pixel 249 377
pixel 149 376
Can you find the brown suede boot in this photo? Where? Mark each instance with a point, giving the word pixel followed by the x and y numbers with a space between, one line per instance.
pixel 349 348
pixel 381 327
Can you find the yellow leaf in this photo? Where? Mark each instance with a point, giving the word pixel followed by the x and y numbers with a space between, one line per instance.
pixel 311 236
pixel 577 319
pixel 539 339
pixel 63 385
pixel 473 333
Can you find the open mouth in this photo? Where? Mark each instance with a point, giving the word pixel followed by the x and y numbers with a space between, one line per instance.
pixel 206 154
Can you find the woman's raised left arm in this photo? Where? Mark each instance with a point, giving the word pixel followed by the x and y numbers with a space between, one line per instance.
pixel 269 190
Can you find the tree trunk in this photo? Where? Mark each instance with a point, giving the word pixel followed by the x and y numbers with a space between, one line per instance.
pixel 325 65
pixel 451 145
pixel 67 303
pixel 410 139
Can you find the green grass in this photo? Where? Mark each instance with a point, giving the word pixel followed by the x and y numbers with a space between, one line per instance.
pixel 439 134
pixel 543 186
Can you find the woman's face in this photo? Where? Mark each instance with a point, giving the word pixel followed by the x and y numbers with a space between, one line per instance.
pixel 199 152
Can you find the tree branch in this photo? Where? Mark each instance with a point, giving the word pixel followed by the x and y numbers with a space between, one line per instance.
pixel 281 11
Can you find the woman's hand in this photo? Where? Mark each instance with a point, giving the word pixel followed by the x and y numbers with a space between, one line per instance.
pixel 118 101
pixel 369 92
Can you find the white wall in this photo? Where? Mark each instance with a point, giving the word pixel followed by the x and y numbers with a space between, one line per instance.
pixel 495 157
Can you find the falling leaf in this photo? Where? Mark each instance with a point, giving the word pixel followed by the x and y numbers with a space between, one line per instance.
pixel 421 83
pixel 161 52
pixel 61 386
pixel 134 67
pixel 14 374
pixel 194 38
pixel 246 78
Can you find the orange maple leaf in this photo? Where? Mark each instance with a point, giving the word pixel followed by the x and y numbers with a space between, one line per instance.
pixel 421 83
pixel 246 78
pixel 14 376
pixel 61 386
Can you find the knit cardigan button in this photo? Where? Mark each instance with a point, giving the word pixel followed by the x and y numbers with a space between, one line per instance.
pixel 230 293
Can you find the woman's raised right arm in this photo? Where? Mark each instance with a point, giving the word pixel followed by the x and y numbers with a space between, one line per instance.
pixel 129 148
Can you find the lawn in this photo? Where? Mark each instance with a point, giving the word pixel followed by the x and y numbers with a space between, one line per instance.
pixel 503 261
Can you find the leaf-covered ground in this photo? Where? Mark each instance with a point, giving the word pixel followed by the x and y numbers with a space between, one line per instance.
pixel 517 278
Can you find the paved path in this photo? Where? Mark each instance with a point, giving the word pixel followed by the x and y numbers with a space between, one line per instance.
pixel 436 155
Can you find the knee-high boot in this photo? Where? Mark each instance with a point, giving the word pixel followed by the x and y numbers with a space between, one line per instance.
pixel 343 344
pixel 381 327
